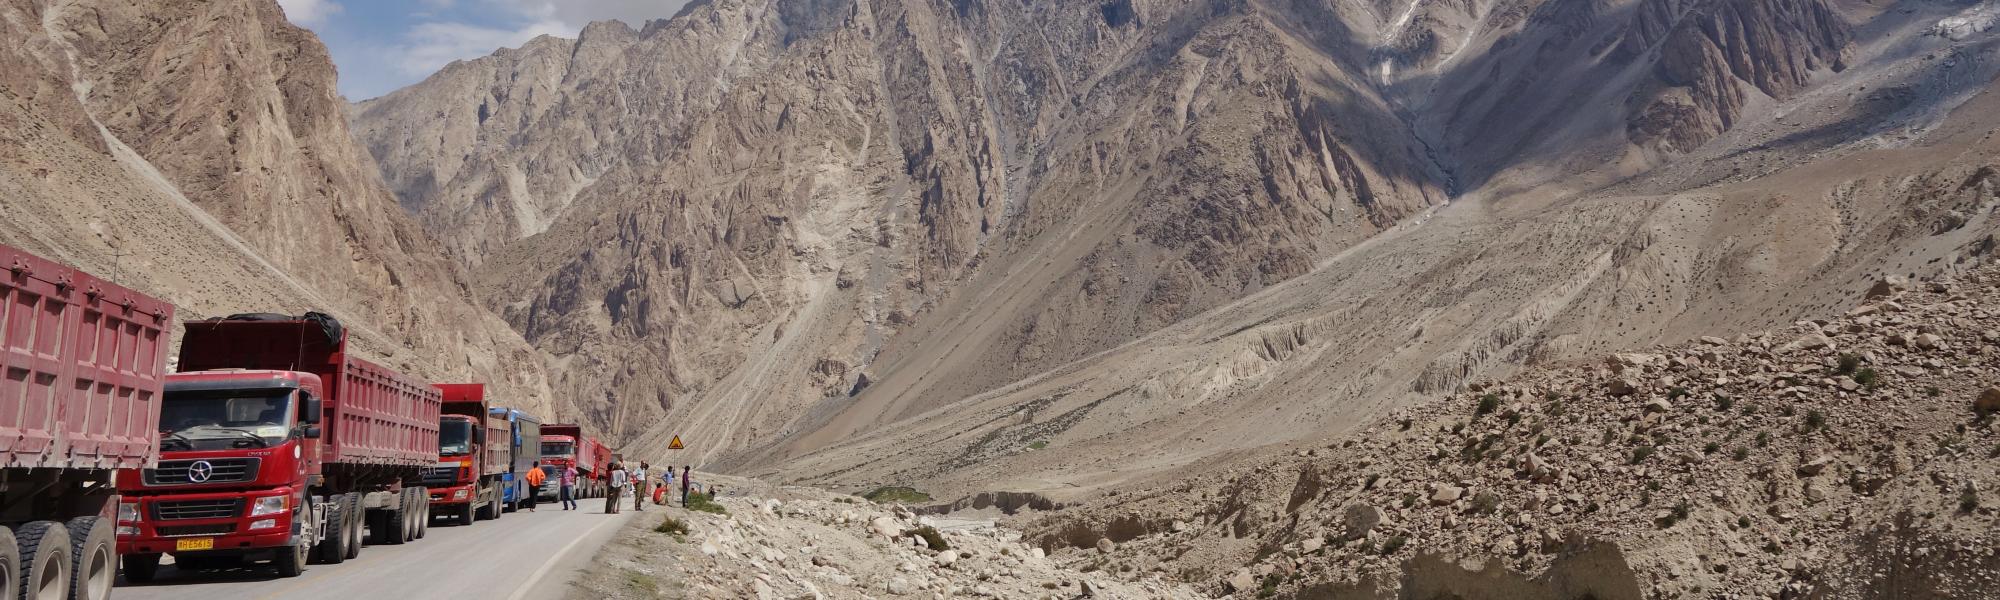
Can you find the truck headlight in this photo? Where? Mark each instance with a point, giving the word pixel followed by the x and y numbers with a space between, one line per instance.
pixel 268 505
pixel 128 531
pixel 128 512
pixel 458 495
pixel 264 524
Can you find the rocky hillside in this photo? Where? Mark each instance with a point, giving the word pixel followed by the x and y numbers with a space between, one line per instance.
pixel 197 151
pixel 857 243
pixel 1847 457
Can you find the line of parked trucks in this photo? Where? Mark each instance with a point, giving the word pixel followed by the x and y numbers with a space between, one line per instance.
pixel 271 443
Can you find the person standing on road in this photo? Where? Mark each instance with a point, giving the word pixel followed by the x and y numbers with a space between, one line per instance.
pixel 687 477
pixel 568 483
pixel 618 483
pixel 639 485
pixel 534 477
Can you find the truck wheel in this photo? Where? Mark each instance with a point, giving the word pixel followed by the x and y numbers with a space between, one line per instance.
pixel 395 521
pixel 409 515
pixel 141 568
pixel 353 531
pixel 291 560
pixel 45 559
pixel 10 560
pixel 332 548
pixel 94 560
pixel 423 514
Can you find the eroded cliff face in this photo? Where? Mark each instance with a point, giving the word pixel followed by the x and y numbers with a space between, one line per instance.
pixel 198 150
pixel 842 240
pixel 785 187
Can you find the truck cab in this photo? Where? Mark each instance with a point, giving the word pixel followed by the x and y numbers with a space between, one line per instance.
pixel 558 453
pixel 473 454
pixel 238 451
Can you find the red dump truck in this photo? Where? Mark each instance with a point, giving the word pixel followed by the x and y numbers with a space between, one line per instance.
pixel 564 445
pixel 474 452
pixel 84 361
pixel 278 444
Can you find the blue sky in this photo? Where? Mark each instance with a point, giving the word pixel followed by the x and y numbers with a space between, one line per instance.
pixel 381 45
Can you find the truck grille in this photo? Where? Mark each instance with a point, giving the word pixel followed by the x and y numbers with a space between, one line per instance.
pixel 221 470
pixel 194 530
pixel 440 476
pixel 197 509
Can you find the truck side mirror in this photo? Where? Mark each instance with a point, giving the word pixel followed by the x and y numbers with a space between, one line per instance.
pixel 478 435
pixel 311 432
pixel 312 410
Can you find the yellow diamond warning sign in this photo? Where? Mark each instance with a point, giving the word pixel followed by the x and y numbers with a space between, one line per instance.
pixel 676 444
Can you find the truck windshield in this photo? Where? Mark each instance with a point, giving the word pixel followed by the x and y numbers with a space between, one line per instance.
pixel 209 421
pixel 455 437
pixel 557 449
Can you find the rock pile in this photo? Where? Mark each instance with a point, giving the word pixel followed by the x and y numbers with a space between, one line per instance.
pixel 1839 458
pixel 806 543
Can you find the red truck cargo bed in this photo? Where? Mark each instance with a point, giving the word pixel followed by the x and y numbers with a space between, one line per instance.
pixel 81 365
pixel 372 415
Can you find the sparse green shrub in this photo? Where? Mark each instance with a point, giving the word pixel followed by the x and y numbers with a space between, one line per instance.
pixel 1677 393
pixel 672 526
pixel 931 537
pixel 1639 454
pixel 1815 420
pixel 1740 454
pixel 1487 404
pixel 1743 522
pixel 1848 363
pixel 1485 503
pixel 1393 544
pixel 896 495
pixel 1968 497
pixel 705 503
pixel 1868 379
pixel 1038 445
pixel 1711 448
pixel 1763 439
pixel 1932 391
pixel 1787 410
pixel 1723 403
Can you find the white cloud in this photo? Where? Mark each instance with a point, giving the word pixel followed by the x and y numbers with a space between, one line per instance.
pixel 309 12
pixel 430 46
pixel 583 12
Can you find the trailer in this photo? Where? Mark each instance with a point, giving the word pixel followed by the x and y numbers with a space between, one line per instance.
pixel 474 450
pixel 278 444
pixel 524 451
pixel 84 361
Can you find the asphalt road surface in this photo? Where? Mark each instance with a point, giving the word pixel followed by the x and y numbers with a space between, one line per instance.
pixel 522 556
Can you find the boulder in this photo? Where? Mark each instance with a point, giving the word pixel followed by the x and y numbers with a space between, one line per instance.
pixel 1105 545
pixel 1361 519
pixel 1446 495
pixel 1621 387
pixel 1988 402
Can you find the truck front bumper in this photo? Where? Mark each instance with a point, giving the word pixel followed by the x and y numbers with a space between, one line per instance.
pixel 216 522
pixel 457 494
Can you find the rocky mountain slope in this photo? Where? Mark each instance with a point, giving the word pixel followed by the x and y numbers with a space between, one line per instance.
pixel 856 243
pixel 197 151
pixel 1846 457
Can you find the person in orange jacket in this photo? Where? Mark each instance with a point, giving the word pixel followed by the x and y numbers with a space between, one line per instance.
pixel 534 477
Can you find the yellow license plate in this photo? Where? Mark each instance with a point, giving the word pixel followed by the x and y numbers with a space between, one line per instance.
pixel 192 544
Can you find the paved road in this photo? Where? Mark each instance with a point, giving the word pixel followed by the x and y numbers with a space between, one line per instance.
pixel 522 556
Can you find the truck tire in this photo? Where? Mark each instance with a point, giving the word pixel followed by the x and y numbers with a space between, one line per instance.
pixel 395 520
pixel 10 560
pixel 354 515
pixel 45 560
pixel 409 515
pixel 492 509
pixel 423 514
pixel 464 513
pixel 93 560
pixel 291 560
pixel 141 568
pixel 332 548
